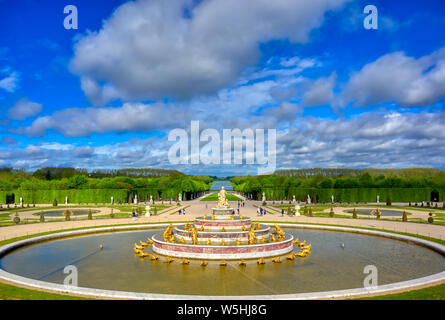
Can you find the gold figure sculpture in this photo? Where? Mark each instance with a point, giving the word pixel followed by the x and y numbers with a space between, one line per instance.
pixel 252 238
pixel 276 260
pixel 223 263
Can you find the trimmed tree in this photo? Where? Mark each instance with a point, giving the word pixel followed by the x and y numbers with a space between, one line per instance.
pixel 111 214
pixel 42 217
pixel 354 213
pixel 388 201
pixel 430 218
pixel 310 212
pixel 67 214
pixel 404 216
pixel 55 202
pixel 331 213
pixel 90 215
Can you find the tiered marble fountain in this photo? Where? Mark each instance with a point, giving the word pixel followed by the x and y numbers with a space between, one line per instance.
pixel 222 236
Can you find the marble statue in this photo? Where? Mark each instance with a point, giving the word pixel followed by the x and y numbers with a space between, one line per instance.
pixel 332 199
pixel 308 199
pixel 147 211
pixel 21 201
pixel 222 200
pixel 151 199
pixel 135 199
pixel 378 198
pixel 264 197
pixel 293 198
pixel 112 200
pixel 66 200
pixel 180 197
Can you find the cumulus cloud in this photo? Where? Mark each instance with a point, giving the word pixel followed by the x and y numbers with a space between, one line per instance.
pixel 151 49
pixel 11 82
pixel 320 91
pixel 393 140
pixel 24 109
pixel 395 77
pixel 77 122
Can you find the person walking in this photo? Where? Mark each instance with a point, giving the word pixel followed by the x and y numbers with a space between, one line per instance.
pixel 183 212
pixel 179 211
pixel 282 212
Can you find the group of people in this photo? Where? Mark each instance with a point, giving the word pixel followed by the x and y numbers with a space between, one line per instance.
pixel 181 211
pixel 261 212
pixel 241 204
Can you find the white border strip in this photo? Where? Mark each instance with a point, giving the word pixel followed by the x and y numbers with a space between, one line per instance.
pixel 152 296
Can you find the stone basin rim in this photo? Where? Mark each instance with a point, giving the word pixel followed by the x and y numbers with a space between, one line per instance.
pixel 92 292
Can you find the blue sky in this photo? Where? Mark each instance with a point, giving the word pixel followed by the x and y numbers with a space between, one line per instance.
pixel 107 95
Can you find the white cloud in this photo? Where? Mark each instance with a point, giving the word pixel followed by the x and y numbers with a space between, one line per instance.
pixel 77 122
pixel 24 109
pixel 398 78
pixel 320 91
pixel 149 49
pixel 10 83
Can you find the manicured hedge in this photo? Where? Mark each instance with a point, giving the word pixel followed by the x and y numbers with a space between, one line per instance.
pixel 74 196
pixel 359 194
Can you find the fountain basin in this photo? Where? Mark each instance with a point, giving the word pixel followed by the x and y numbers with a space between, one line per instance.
pixel 217 237
pixel 218 252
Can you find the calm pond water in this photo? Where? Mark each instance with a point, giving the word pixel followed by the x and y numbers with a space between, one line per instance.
pixel 328 268
pixel 382 211
pixel 59 213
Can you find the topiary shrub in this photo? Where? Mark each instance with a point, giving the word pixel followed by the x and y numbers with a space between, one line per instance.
pixel 55 202
pixel 404 216
pixel 388 201
pixel 305 210
pixel 264 203
pixel 111 214
pixel 67 214
pixel 288 211
pixel 42 217
pixel 16 218
pixel 430 218
pixel 310 212
pixel 331 213
pixel 90 215
pixel 354 213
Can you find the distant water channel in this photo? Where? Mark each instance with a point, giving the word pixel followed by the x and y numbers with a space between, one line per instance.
pixel 221 183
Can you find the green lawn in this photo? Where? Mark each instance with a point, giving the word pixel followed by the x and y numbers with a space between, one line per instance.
pixel 430 293
pixel 214 197
pixel 8 292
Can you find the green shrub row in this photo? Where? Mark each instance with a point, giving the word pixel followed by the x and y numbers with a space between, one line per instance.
pixel 357 194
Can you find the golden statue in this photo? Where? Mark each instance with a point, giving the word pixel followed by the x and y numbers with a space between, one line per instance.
pixel 252 238
pixel 222 200
pixel 223 243
pixel 168 233
pixel 276 260
pixel 209 242
pixel 223 229
pixel 194 235
pixel 203 263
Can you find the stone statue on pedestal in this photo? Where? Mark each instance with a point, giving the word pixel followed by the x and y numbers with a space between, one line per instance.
pixel 308 199
pixel 222 200
pixel 297 210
